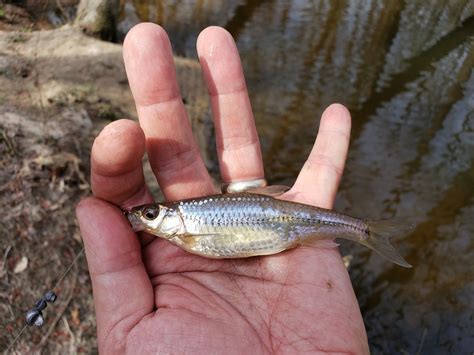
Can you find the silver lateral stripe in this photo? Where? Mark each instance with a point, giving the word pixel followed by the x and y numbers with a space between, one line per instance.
pixel 242 186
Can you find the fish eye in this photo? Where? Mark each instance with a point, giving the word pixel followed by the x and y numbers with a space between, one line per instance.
pixel 150 213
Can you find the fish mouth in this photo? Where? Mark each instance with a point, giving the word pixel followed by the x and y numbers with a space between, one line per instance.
pixel 137 225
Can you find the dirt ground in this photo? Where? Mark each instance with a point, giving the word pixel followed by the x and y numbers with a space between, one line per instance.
pixel 58 89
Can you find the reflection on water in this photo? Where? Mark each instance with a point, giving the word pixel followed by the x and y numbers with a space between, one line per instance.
pixel 405 69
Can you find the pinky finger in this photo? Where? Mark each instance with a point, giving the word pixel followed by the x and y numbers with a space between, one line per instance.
pixel 319 179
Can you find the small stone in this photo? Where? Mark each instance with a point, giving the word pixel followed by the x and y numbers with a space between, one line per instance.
pixel 21 265
pixel 347 260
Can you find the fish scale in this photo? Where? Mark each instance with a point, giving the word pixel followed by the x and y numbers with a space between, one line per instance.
pixel 247 224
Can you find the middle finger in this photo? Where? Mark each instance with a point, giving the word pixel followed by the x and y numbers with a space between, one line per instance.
pixel 172 150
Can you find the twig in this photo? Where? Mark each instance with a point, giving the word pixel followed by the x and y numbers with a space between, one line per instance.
pixel 16 338
pixel 61 9
pixel 9 142
pixel 71 334
pixel 423 337
pixel 5 256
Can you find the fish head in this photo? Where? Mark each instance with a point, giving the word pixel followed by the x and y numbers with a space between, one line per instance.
pixel 155 219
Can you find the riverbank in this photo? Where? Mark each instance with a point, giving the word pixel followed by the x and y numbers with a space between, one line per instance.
pixel 58 89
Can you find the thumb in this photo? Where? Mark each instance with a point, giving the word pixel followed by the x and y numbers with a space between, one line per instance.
pixel 123 293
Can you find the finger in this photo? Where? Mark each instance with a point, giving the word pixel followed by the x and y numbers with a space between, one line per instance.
pixel 237 141
pixel 123 293
pixel 116 165
pixel 172 150
pixel 319 179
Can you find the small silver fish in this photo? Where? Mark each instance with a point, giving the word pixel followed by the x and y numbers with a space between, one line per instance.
pixel 240 225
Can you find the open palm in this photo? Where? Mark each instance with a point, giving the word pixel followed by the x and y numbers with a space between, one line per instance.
pixel 151 296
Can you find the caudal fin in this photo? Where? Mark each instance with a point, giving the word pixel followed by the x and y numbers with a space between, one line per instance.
pixel 378 240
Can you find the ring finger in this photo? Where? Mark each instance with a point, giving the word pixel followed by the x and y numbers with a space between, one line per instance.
pixel 238 147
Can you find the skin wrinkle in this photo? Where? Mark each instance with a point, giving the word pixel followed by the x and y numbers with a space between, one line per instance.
pixel 129 193
pixel 202 315
pixel 105 173
pixel 136 257
pixel 186 156
pixel 294 331
pixel 167 280
pixel 230 305
pixel 171 118
pixel 117 337
pixel 174 97
pixel 204 301
pixel 168 348
pixel 343 307
pixel 247 320
pixel 141 196
pixel 219 93
pixel 188 291
pixel 108 273
pixel 233 279
pixel 324 160
pixel 332 132
pixel 315 347
pixel 237 142
pixel 266 323
pixel 271 315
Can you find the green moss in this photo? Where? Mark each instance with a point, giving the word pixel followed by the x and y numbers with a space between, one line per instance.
pixel 106 112
pixel 18 38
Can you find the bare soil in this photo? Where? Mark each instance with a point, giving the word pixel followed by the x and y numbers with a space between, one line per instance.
pixel 58 89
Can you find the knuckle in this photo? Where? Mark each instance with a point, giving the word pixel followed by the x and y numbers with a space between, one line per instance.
pixel 321 160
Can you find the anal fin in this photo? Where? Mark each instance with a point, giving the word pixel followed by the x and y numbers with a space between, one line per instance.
pixel 320 243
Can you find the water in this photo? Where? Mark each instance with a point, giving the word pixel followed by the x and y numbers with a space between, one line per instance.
pixel 405 70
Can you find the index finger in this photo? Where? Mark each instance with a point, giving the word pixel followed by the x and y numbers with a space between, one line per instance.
pixel 116 165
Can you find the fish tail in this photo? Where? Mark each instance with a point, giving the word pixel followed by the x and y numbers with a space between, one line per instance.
pixel 378 239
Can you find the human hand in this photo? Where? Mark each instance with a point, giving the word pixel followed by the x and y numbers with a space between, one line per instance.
pixel 150 296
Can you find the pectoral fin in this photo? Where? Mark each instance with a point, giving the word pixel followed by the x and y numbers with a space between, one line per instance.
pixel 186 237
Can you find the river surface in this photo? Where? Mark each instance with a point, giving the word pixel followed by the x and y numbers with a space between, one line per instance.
pixel 405 70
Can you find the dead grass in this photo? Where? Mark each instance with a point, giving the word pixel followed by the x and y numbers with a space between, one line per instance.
pixel 38 223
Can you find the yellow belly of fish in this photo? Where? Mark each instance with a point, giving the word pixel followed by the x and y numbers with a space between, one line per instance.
pixel 238 244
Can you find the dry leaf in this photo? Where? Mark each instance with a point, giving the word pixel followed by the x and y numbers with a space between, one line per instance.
pixel 21 265
pixel 347 260
pixel 2 269
pixel 75 317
